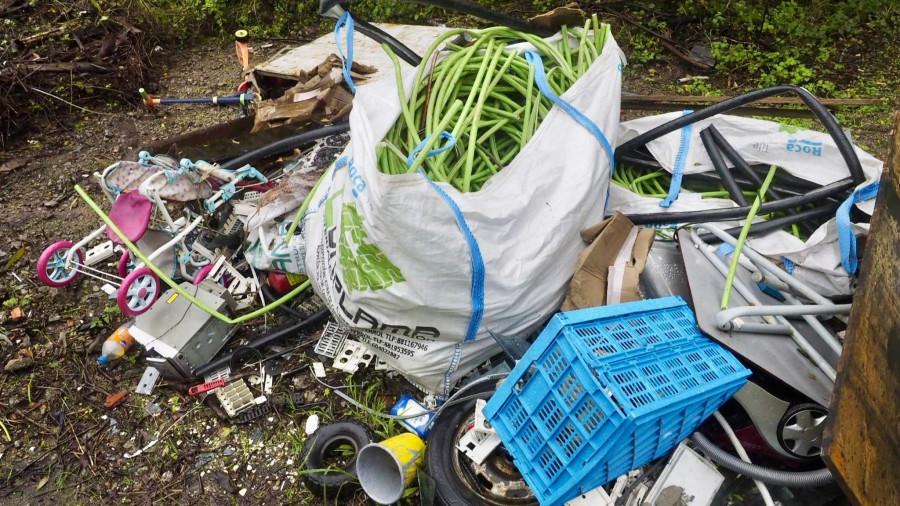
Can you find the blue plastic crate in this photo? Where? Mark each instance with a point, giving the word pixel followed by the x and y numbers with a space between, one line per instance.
pixel 605 390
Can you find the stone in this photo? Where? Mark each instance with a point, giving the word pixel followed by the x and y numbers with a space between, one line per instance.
pixel 17 364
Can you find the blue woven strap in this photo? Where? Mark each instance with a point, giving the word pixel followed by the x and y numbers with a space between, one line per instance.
pixel 540 78
pixel 846 237
pixel 348 60
pixel 476 259
pixel 788 265
pixel 447 136
pixel 680 160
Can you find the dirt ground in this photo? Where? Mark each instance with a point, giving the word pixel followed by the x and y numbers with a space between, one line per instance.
pixel 60 444
pixel 63 444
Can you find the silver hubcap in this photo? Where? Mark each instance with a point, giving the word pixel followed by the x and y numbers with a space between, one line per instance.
pixel 802 433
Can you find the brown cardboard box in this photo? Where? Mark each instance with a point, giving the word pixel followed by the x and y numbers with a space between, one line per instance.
pixel 589 284
pixel 317 96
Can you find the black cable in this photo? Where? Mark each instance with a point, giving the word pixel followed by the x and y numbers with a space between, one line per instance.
pixel 266 340
pixel 271 294
pixel 378 35
pixel 237 353
pixel 828 121
pixel 764 227
pixel 822 193
pixel 737 160
pixel 721 168
pixel 285 145
pixel 334 9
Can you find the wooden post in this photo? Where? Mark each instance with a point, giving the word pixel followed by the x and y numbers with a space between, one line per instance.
pixel 862 436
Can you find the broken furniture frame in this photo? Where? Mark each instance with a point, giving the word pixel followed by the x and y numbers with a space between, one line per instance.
pixel 774 316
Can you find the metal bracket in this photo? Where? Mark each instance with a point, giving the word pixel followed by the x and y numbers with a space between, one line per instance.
pixel 148 381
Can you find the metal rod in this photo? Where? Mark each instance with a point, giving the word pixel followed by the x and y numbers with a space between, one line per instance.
pixel 817 359
pixel 817 326
pixel 724 318
pixel 761 261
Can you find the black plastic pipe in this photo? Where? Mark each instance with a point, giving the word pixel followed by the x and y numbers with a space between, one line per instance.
pixel 721 168
pixel 737 160
pixel 828 121
pixel 378 35
pixel 744 184
pixel 732 213
pixel 265 340
pixel 764 227
pixel 285 145
pixel 466 8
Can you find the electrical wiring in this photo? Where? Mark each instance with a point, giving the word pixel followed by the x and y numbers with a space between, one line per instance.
pixel 729 280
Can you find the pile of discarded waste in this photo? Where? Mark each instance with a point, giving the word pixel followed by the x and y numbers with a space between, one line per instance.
pixel 595 312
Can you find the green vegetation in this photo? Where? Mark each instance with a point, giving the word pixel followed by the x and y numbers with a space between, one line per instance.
pixel 812 43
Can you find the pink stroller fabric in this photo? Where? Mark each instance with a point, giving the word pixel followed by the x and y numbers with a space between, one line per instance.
pixel 131 213
pixel 129 176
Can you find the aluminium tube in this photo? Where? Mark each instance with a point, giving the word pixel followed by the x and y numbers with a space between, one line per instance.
pixel 725 317
pixel 764 263
pixel 742 289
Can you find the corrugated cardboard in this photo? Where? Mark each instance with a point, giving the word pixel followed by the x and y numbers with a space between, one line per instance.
pixel 588 286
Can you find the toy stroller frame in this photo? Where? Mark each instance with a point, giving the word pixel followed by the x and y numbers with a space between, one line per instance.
pixel 132 211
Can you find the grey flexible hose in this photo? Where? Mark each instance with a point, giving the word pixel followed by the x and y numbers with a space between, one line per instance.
pixel 766 475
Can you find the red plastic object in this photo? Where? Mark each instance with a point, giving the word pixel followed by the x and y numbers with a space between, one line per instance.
pixel 284 283
pixel 124 260
pixel 206 387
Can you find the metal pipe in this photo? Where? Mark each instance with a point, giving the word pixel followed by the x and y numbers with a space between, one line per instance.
pixel 817 326
pixel 724 317
pixel 762 328
pixel 796 336
pixel 761 261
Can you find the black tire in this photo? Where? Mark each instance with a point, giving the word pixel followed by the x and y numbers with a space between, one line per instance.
pixel 442 458
pixel 333 484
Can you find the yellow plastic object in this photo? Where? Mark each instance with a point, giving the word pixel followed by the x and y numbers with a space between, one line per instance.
pixel 172 284
pixel 387 468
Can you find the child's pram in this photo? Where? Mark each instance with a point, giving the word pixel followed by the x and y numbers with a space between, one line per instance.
pixel 139 193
